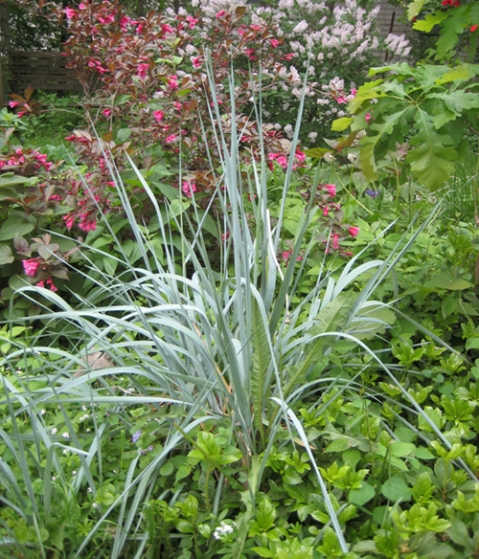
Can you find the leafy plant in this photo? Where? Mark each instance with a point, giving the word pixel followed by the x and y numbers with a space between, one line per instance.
pixel 425 111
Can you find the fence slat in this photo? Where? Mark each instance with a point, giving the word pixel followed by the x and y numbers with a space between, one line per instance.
pixel 41 70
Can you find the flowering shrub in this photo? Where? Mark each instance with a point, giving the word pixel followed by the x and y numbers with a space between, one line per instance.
pixel 321 40
pixel 148 92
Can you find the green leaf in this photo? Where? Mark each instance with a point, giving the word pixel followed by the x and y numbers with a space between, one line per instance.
pixel 177 207
pixel 15 225
pixel 449 282
pixel 459 534
pixel 123 135
pixel 414 9
pixel 263 552
pixel 395 489
pixel 317 153
pixel 341 124
pixel 431 158
pixel 400 449
pixel 456 74
pixel 430 21
pixel 261 374
pixel 6 256
pixel 361 496
pixel 120 100
pixel 10 179
pixel 472 343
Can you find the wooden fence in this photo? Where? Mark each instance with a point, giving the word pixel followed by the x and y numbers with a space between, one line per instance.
pixel 41 70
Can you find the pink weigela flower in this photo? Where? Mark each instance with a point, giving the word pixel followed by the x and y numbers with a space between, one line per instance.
pixel 142 70
pixel 70 13
pixel 219 14
pixel 30 266
pixel 173 82
pixel 47 284
pixel 188 188
pixel 353 231
pixel 331 189
pixel 196 61
pixel 158 115
pixel 170 139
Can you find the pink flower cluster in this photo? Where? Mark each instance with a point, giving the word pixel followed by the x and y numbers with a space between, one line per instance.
pixel 25 107
pixel 31 267
pixel 28 160
pixel 282 160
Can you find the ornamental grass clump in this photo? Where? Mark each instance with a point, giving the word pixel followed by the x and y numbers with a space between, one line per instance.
pixel 202 365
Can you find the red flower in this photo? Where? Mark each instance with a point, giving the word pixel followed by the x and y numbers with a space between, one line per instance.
pixel 473 28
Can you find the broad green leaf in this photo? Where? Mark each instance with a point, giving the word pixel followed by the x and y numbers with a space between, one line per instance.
pixel 472 343
pixel 460 73
pixel 10 179
pixel 361 496
pixel 6 256
pixel 317 153
pixel 431 157
pixel 457 101
pixel 430 21
pixel 395 489
pixel 121 100
pixel 401 449
pixel 459 534
pixel 455 22
pixel 341 124
pixel 177 207
pixel 414 9
pixel 449 282
pixel 15 225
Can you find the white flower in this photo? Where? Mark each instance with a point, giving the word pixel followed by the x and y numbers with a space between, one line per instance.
pixel 54 431
pixel 223 529
pixel 312 136
pixel 66 435
pixel 302 26
pixel 43 412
